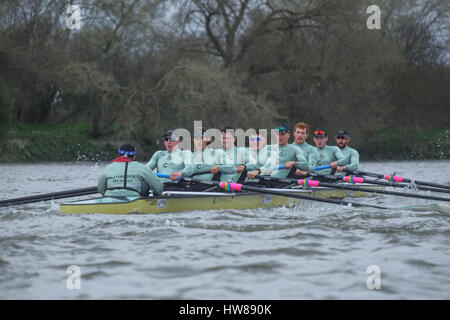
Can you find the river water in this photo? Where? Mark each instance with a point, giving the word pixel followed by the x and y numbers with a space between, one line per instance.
pixel 314 251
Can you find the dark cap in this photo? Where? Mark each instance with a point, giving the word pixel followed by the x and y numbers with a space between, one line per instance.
pixel 127 150
pixel 282 128
pixel 342 133
pixel 320 133
pixel 171 133
pixel 168 133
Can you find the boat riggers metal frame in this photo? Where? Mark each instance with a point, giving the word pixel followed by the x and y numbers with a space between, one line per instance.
pixel 239 187
pixel 381 183
pixel 315 183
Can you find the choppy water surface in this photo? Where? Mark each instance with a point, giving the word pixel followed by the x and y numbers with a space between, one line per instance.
pixel 315 251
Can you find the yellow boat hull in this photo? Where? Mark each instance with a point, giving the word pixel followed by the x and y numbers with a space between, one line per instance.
pixel 197 201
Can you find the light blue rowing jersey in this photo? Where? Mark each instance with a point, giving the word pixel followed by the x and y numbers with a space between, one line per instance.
pixel 170 162
pixel 351 161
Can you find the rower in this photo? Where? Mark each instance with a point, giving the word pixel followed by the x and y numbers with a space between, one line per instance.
pixel 256 154
pixel 351 161
pixel 324 154
pixel 282 153
pixel 205 158
pixel 172 161
pixel 233 157
pixel 127 177
pixel 301 132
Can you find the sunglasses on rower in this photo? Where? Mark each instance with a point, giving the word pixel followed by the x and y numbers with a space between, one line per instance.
pixel 170 139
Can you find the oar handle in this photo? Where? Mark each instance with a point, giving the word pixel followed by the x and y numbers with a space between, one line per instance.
pixel 164 175
pixel 322 167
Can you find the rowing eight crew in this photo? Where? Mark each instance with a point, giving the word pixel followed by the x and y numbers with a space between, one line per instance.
pixel 229 163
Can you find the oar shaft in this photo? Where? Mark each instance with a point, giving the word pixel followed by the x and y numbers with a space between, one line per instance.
pixel 394 193
pixel 381 183
pixel 381 176
pixel 356 188
pixel 400 185
pixel 26 201
pixel 280 193
pixel 426 183
pixel 362 173
pixel 300 196
pixel 50 195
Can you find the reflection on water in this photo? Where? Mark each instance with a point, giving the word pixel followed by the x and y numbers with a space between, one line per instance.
pixel 314 251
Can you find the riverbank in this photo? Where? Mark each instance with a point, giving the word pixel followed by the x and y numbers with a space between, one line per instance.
pixel 54 143
pixel 71 142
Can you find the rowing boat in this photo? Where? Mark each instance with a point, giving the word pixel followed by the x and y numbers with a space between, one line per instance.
pixel 180 201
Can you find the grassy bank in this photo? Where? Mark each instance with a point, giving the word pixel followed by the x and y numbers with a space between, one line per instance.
pixel 71 142
pixel 404 145
pixel 53 142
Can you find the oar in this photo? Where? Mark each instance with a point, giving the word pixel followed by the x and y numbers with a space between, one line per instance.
pixel 49 196
pixel 353 179
pixel 239 187
pixel 389 177
pixel 316 183
pixel 393 178
pixel 322 167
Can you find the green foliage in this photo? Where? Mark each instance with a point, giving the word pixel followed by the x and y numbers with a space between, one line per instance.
pixel 47 142
pixel 133 70
pixel 5 111
pixel 404 145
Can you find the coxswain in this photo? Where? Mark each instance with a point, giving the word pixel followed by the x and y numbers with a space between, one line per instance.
pixel 127 177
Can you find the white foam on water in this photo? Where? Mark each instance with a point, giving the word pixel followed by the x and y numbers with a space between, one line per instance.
pixel 444 207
